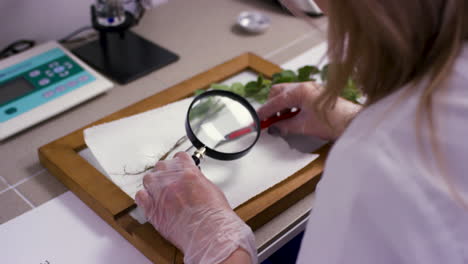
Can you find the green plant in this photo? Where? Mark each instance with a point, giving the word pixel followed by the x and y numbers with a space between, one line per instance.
pixel 258 90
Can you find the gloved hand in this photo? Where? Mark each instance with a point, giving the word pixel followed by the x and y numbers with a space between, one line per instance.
pixel 191 212
pixel 307 122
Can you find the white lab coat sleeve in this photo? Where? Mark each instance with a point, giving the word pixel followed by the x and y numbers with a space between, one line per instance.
pixel 370 210
pixel 383 199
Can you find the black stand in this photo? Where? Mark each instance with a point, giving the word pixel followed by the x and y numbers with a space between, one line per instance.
pixel 123 55
pixel 125 59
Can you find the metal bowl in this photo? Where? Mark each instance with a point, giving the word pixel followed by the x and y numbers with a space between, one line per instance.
pixel 253 21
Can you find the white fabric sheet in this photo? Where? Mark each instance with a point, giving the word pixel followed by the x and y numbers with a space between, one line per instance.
pixel 123 145
pixel 128 145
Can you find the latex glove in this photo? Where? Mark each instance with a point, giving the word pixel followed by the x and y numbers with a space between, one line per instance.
pixel 304 96
pixel 191 212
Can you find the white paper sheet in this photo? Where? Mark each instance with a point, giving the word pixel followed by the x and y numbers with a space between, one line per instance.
pixel 64 230
pixel 139 141
pixel 127 146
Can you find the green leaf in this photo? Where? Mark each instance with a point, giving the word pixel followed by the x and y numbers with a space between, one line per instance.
pixel 238 88
pixel 260 80
pixel 262 95
pixel 198 92
pixel 200 109
pixel 304 73
pixel 217 86
pixel 351 92
pixel 252 88
pixel 284 77
pixel 266 82
pixel 324 73
pixel 276 78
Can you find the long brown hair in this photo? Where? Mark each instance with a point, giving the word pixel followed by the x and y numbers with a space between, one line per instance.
pixel 388 44
pixel 385 45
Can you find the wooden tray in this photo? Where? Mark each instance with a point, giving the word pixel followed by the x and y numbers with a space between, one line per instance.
pixel 61 158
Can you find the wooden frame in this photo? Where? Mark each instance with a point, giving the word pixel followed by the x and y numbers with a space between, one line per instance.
pixel 61 158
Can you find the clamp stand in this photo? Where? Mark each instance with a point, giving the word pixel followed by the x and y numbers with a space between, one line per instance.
pixel 121 54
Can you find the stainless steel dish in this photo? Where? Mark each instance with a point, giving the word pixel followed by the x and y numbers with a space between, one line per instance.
pixel 253 21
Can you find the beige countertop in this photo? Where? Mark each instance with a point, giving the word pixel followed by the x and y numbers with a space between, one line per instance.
pixel 203 34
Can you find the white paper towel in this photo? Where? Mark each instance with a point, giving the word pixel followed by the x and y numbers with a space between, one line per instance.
pixel 128 145
pixel 138 141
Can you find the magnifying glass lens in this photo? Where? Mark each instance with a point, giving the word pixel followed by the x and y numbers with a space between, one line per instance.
pixel 222 124
pixel 225 126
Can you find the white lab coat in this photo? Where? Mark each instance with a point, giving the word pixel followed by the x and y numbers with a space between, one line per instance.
pixel 382 198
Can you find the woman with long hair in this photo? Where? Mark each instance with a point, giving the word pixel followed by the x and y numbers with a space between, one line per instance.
pixel 395 184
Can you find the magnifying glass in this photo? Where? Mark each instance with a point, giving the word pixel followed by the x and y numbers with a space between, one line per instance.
pixel 225 126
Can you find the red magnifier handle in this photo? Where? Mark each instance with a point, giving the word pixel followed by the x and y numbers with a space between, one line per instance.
pixel 239 133
pixel 285 114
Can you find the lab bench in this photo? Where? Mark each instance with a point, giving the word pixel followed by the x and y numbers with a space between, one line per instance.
pixel 203 34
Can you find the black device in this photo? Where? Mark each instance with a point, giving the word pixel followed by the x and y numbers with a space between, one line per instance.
pixel 119 53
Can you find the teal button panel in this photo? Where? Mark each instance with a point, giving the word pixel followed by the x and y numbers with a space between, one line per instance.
pixel 30 64
pixel 52 74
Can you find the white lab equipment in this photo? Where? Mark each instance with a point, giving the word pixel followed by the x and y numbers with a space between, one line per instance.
pixel 42 82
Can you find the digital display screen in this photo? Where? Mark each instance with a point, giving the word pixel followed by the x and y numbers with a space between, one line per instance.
pixel 13 89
